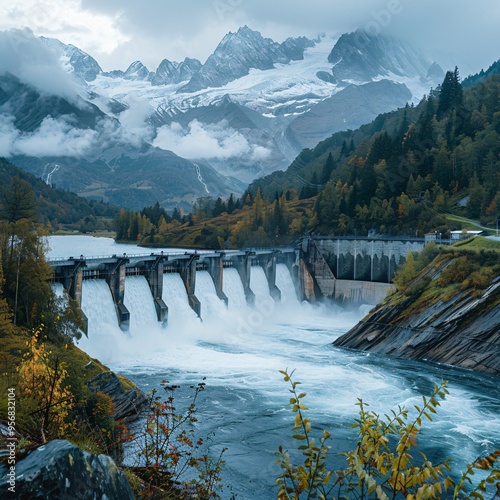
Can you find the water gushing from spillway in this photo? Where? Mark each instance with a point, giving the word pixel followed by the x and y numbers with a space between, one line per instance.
pixel 58 289
pixel 139 302
pixel 205 292
pixel 233 288
pixel 176 298
pixel 285 284
pixel 259 285
pixel 98 306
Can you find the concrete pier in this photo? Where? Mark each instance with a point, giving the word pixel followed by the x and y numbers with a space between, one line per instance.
pixel 242 262
pixel 154 275
pixel 115 273
pixel 215 268
pixel 267 260
pixel 188 275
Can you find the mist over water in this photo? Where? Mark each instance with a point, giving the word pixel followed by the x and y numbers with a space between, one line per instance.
pixel 240 350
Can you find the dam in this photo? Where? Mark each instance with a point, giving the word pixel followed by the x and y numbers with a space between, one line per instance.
pixel 161 272
pixel 348 270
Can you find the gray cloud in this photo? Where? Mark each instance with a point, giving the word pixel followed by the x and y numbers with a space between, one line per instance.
pixel 158 29
pixel 52 138
pixel 199 140
pixel 174 29
pixel 27 57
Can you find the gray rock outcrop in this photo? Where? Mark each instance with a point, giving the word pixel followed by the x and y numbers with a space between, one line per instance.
pixel 61 470
pixel 462 330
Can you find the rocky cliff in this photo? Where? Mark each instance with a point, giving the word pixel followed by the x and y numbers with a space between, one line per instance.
pixel 455 323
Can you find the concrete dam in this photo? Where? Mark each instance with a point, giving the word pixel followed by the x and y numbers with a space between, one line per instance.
pixel 187 267
pixel 346 270
pixel 351 269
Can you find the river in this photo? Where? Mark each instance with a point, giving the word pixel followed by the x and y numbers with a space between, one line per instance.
pixel 240 352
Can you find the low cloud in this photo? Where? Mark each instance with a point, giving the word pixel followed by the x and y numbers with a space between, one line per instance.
pixel 29 59
pixel 52 138
pixel 199 141
pixel 59 137
pixel 135 118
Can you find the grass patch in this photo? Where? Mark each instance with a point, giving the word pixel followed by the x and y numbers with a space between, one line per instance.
pixel 478 243
pixel 467 224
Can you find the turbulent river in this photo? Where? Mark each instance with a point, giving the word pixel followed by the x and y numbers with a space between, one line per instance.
pixel 240 351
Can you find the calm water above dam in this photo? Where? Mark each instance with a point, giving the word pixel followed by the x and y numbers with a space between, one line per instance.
pixel 240 350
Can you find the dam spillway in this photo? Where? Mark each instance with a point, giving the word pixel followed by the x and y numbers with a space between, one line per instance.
pixel 345 269
pixel 152 288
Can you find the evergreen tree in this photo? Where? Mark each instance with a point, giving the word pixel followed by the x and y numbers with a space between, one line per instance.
pixel 231 205
pixel 328 168
pixel 344 151
pixel 451 94
pixel 18 201
pixel 219 207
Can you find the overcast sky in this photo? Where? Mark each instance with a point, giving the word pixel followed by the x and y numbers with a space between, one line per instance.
pixel 117 32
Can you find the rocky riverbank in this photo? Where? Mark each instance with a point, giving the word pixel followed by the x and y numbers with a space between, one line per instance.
pixel 449 314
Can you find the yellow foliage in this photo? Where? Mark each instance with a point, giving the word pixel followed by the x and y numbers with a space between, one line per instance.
pixel 42 388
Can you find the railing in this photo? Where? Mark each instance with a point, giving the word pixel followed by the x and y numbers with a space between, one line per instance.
pixel 134 256
pixel 371 238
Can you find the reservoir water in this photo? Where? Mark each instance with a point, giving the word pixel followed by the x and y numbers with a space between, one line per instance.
pixel 240 351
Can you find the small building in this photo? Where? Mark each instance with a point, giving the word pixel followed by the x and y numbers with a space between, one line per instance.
pixel 463 234
pixel 432 237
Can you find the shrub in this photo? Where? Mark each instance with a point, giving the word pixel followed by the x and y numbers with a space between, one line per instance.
pixel 383 465
pixel 168 450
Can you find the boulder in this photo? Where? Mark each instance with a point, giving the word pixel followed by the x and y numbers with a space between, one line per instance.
pixel 61 470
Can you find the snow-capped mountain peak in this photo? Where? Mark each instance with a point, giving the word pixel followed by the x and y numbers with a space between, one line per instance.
pixel 81 64
pixel 171 72
pixel 242 51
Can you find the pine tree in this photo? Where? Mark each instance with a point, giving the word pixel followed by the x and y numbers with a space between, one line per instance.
pixel 343 150
pixel 231 204
pixel 18 201
pixel 328 168
pixel 451 94
pixel 176 215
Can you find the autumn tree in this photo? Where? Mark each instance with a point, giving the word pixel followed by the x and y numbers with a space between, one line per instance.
pixel 45 397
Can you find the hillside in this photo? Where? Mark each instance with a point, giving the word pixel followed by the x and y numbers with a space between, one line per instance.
pixel 406 167
pixel 60 208
pixel 449 313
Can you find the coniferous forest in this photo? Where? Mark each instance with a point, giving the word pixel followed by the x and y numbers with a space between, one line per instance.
pixel 404 173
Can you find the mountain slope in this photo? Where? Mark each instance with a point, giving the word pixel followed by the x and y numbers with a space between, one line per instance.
pixel 362 57
pixel 55 205
pixel 348 109
pixel 29 107
pixel 471 80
